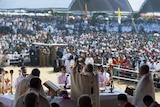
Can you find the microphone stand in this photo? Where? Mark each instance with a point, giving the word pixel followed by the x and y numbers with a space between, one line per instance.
pixel 65 85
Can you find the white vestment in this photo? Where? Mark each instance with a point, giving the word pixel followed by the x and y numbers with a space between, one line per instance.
pixel 23 86
pixel 43 102
pixel 144 87
pixel 89 60
pixel 18 79
pixel 85 84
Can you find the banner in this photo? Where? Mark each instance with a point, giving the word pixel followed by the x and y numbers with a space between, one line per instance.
pixel 119 16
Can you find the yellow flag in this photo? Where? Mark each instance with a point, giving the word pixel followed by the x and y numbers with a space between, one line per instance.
pixel 86 11
pixel 119 15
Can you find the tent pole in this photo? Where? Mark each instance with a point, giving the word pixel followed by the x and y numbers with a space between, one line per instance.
pixel 67 15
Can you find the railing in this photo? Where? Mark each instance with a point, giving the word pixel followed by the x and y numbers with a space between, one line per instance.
pixel 132 75
pixel 125 74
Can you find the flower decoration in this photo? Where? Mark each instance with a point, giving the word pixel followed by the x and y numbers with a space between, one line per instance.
pixel 7 80
pixel 110 65
pixel 71 66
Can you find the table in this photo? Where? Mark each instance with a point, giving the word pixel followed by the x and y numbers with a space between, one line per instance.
pixel 107 99
pixel 7 100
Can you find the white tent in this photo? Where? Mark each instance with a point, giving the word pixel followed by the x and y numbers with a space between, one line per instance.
pixel 35 4
pixel 53 44
pixel 136 4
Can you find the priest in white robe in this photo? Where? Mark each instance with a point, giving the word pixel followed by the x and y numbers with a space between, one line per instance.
pixel 23 86
pixel 144 87
pixel 34 87
pixel 85 82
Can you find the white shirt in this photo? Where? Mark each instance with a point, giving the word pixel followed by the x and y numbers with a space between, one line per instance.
pixel 89 60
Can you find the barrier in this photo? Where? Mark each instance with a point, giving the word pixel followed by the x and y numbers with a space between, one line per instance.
pixel 132 75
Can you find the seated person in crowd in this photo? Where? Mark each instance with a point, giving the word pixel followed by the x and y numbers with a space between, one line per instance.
pixel 34 87
pixel 84 101
pixel 89 60
pixel 63 79
pixel 152 65
pixel 23 73
pixel 149 102
pixel 24 85
pixel 104 77
pixel 123 101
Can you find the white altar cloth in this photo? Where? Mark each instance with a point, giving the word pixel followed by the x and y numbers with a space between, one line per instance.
pixel 107 99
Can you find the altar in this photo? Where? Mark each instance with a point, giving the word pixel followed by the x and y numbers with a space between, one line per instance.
pixel 107 99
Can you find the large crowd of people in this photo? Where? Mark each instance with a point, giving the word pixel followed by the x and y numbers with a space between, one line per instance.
pixel 17 43
pixel 27 41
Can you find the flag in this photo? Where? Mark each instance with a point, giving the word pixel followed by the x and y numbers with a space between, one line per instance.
pixel 86 11
pixel 119 16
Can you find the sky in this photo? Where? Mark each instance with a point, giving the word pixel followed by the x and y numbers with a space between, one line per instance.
pixel 20 4
pixel 136 4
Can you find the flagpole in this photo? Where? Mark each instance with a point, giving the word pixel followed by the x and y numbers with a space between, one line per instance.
pixel 86 11
pixel 119 25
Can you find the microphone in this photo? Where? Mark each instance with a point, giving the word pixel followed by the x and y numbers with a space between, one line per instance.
pixel 65 86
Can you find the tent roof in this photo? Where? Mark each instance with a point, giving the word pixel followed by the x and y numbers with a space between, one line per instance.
pixel 72 5
pixel 101 5
pixel 150 6
pixel 35 4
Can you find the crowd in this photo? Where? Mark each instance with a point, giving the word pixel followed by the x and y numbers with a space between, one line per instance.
pixel 82 40
pixel 104 42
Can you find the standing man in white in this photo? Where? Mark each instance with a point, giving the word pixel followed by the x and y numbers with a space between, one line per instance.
pixel 85 82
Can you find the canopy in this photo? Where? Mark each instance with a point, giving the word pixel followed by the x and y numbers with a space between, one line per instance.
pixel 101 5
pixel 72 5
pixel 150 6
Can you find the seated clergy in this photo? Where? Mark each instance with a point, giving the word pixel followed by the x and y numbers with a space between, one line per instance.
pixel 104 77
pixel 63 79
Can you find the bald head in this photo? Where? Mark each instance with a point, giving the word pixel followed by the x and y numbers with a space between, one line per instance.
pixel 84 101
